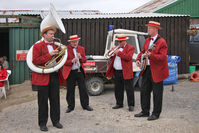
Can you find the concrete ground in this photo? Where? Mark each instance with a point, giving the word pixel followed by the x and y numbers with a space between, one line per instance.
pixel 18 113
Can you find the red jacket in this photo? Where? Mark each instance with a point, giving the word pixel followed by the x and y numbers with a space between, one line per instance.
pixel 158 59
pixel 40 57
pixel 127 64
pixel 68 65
pixel 3 75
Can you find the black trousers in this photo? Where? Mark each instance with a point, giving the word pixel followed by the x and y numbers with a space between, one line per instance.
pixel 73 78
pixel 51 92
pixel 120 84
pixel 146 88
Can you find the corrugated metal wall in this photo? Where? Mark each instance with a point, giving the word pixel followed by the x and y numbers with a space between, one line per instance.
pixel 93 34
pixel 189 7
pixel 20 39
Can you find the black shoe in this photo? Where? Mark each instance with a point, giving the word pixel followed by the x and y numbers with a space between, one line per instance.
pixel 58 125
pixel 43 128
pixel 88 108
pixel 142 114
pixel 152 117
pixel 131 108
pixel 117 106
pixel 69 110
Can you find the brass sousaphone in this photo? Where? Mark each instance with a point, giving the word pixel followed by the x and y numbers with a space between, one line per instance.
pixel 52 20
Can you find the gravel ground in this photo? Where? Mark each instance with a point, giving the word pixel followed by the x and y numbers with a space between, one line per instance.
pixel 180 113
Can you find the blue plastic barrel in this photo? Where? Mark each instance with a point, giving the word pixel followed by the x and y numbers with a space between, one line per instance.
pixel 173 69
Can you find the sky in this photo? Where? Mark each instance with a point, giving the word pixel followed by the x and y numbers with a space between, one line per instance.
pixel 106 6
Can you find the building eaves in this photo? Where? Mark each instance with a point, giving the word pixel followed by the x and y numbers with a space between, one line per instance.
pixel 119 15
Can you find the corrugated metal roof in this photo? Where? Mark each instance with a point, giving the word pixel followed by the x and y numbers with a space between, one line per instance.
pixel 152 6
pixel 20 12
pixel 38 12
pixel 119 15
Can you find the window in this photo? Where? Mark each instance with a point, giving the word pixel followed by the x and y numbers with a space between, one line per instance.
pixel 141 40
pixel 132 42
pixel 109 42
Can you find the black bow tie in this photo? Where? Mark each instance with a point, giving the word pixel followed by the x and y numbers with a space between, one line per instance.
pixel 151 38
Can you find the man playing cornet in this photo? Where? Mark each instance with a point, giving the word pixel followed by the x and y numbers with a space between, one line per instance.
pixel 73 71
pixel 121 66
pixel 47 84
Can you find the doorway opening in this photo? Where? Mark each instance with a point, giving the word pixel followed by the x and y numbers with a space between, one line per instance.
pixel 4 43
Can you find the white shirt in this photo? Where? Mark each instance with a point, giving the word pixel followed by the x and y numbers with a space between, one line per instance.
pixel 151 42
pixel 117 62
pixel 76 65
pixel 50 48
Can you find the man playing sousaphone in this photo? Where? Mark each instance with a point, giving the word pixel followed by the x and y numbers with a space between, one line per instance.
pixel 155 54
pixel 47 84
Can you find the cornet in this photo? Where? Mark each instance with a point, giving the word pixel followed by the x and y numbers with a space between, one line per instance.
pixel 110 53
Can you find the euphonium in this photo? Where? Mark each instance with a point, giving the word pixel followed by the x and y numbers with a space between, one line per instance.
pixel 111 52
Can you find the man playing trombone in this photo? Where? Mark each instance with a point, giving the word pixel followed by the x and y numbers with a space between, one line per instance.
pixel 47 84
pixel 121 66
